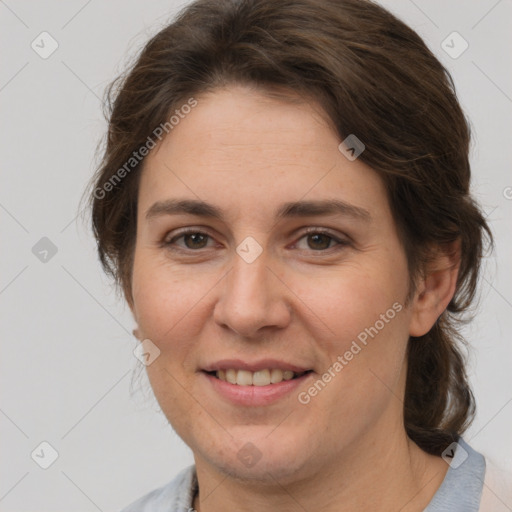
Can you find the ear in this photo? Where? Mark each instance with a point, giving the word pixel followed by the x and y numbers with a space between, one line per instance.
pixel 435 289
pixel 128 296
pixel 136 331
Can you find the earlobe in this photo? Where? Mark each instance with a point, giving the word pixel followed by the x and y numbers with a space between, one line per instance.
pixel 129 300
pixel 435 289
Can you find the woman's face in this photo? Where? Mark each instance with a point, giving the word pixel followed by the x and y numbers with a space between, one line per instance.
pixel 261 247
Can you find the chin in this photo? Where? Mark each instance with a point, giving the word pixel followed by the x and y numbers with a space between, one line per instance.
pixel 263 460
pixel 264 472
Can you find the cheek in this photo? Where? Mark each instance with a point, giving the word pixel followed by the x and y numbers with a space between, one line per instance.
pixel 168 308
pixel 353 298
pixel 165 299
pixel 366 324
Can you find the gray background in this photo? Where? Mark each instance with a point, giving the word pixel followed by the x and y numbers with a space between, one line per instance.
pixel 68 375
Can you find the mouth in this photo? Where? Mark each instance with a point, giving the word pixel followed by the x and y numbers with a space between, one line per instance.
pixel 264 377
pixel 254 384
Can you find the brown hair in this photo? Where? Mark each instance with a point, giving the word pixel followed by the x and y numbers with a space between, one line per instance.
pixel 374 77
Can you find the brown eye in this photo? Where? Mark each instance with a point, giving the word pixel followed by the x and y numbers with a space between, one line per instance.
pixel 189 240
pixel 319 241
pixel 195 240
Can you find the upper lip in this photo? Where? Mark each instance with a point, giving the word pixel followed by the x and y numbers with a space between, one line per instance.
pixel 254 366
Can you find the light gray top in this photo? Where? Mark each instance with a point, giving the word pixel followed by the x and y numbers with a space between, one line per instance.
pixel 460 491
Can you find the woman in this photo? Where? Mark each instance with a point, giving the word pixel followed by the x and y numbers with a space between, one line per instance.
pixel 284 199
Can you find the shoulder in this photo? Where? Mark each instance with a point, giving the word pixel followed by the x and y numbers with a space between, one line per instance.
pixel 461 488
pixel 473 483
pixel 497 489
pixel 177 495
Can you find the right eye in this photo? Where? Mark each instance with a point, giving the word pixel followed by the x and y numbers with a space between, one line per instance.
pixel 192 240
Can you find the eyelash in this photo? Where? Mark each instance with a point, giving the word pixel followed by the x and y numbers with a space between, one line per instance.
pixel 339 243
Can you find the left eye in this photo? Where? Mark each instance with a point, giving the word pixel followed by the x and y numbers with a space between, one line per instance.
pixel 318 241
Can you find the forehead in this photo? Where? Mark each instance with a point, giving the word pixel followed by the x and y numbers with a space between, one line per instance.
pixel 239 147
pixel 247 123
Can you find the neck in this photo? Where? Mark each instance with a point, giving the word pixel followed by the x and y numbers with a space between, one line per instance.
pixel 372 474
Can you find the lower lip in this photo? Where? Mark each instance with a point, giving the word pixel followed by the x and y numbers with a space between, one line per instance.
pixel 255 395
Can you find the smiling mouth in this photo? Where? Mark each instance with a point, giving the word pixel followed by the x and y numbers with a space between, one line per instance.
pixel 264 377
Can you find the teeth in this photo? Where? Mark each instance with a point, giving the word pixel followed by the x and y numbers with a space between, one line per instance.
pixel 259 378
pixel 276 376
pixel 230 376
pixel 244 378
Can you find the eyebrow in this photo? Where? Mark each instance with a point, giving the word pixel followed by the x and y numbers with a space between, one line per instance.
pixel 286 210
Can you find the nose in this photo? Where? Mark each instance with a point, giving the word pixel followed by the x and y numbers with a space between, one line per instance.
pixel 252 299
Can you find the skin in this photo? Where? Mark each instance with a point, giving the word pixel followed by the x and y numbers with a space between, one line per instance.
pixel 303 300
